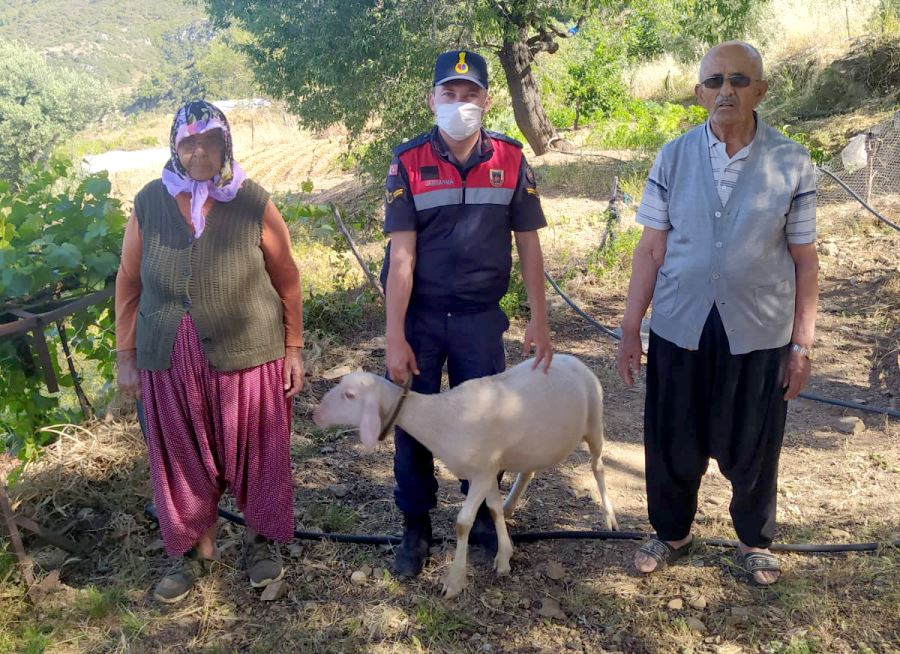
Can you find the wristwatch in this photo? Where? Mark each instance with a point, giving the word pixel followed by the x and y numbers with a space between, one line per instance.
pixel 802 351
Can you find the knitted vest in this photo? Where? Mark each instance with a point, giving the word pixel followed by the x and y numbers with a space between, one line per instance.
pixel 220 278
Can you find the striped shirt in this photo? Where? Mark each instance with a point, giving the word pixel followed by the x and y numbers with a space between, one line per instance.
pixel 725 169
pixel 800 227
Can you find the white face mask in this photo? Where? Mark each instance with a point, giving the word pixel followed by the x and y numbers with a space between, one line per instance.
pixel 459 120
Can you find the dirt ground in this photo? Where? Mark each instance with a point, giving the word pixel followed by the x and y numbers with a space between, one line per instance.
pixel 572 595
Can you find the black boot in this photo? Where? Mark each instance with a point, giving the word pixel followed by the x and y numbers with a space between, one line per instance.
pixel 484 533
pixel 413 549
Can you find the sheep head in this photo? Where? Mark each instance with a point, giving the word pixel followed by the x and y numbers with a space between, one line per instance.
pixel 356 401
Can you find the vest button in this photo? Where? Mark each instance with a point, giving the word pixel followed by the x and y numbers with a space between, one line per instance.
pixel 715 275
pixel 718 214
pixel 718 244
pixel 186 303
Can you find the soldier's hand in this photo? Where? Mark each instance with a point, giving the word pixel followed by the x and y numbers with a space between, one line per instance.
pixel 537 335
pixel 400 360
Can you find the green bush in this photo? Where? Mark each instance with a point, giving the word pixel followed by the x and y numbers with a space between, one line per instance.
pixel 816 152
pixel 515 302
pixel 594 86
pixel 334 313
pixel 644 124
pixel 60 237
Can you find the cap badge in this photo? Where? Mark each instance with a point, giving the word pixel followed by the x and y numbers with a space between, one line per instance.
pixel 461 66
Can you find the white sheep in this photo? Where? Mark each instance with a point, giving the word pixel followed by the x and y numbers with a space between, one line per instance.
pixel 521 420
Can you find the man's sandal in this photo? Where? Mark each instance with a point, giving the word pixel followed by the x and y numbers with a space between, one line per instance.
pixel 753 562
pixel 663 553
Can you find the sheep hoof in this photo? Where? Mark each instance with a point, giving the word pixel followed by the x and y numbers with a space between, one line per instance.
pixel 612 524
pixel 452 586
pixel 501 566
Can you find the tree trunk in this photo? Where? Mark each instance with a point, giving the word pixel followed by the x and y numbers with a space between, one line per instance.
pixel 526 100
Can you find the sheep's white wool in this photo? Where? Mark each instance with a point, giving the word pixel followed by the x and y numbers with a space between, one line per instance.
pixel 521 420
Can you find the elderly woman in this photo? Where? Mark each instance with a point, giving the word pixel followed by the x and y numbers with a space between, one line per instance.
pixel 209 331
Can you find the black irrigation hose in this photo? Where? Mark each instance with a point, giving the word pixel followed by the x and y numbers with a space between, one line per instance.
pixel 532 537
pixel 894 413
pixel 859 199
pixel 579 310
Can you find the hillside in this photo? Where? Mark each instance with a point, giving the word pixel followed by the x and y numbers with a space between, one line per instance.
pixel 119 41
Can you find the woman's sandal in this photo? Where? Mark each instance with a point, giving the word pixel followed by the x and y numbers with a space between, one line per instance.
pixel 753 562
pixel 663 553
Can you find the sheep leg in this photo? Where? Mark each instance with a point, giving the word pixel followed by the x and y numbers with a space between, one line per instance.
pixel 595 444
pixel 504 544
pixel 455 578
pixel 521 483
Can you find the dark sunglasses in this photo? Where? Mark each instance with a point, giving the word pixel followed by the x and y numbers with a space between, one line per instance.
pixel 738 81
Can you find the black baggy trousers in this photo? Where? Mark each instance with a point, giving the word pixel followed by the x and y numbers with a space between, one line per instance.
pixel 710 403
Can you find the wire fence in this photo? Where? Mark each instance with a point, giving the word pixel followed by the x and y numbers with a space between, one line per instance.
pixel 869 165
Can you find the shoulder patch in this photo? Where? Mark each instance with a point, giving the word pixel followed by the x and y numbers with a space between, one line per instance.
pixel 411 143
pixel 390 196
pixel 504 138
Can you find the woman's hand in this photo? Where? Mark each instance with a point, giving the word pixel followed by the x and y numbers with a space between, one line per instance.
pixel 293 372
pixel 129 379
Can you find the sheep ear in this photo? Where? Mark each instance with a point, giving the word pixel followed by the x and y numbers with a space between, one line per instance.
pixel 370 422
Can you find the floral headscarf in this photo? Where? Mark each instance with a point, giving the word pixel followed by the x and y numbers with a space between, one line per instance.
pixel 196 118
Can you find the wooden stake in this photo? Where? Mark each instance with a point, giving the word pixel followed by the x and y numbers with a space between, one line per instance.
pixel 15 539
pixel 362 262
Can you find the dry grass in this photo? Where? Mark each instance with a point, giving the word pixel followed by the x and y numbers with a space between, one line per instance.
pixel 827 27
pixel 789 29
pixel 663 79
pixel 81 466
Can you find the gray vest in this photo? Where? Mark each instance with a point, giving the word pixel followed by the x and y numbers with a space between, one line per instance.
pixel 734 256
pixel 220 278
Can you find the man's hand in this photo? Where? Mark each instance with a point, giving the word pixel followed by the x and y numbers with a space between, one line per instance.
pixel 537 335
pixel 128 377
pixel 400 360
pixel 797 375
pixel 292 372
pixel 628 358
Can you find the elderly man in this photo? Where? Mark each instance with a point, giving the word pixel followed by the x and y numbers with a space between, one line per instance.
pixel 728 257
pixel 455 196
